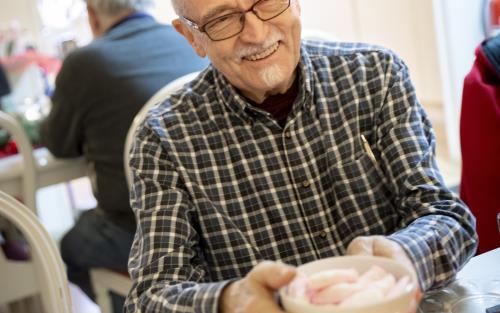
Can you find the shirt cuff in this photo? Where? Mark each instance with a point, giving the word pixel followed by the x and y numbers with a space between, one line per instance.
pixel 206 299
pixel 419 252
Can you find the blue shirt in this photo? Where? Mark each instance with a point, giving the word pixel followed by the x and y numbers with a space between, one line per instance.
pixel 99 90
pixel 220 186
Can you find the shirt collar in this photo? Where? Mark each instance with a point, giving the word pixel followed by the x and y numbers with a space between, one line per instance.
pixel 239 105
pixel 135 15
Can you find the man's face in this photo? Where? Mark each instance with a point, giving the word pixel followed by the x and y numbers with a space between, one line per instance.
pixel 262 59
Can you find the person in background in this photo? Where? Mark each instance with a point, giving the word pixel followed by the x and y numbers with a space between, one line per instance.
pixel 4 90
pixel 98 91
pixel 280 153
pixel 480 142
pixel 4 83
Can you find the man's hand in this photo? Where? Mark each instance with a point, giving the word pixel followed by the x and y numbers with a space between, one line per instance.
pixel 255 292
pixel 381 246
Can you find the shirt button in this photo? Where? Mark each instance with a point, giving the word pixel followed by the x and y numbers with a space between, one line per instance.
pixel 323 234
pixel 306 184
pixel 288 135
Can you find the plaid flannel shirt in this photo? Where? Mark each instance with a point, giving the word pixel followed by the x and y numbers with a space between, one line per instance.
pixel 219 185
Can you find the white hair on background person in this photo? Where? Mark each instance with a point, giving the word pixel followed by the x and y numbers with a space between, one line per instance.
pixel 111 7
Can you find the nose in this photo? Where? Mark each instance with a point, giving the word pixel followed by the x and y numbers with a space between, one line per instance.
pixel 255 30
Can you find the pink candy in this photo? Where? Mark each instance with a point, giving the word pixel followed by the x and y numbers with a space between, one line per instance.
pixel 331 277
pixel 346 287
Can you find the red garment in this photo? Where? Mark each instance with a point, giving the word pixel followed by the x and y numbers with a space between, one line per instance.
pixel 20 62
pixel 9 149
pixel 480 139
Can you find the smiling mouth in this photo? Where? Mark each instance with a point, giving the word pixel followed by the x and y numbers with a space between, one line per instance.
pixel 264 54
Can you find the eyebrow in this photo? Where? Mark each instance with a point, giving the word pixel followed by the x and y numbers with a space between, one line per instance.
pixel 215 11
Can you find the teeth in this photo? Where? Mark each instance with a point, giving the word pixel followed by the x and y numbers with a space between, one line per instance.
pixel 263 54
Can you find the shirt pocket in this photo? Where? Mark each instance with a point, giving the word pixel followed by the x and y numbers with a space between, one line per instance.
pixel 363 203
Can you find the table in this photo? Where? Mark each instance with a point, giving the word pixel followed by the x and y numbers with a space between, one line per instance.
pixel 21 175
pixel 477 287
pixel 483 266
pixel 49 170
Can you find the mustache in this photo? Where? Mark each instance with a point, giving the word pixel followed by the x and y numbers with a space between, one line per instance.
pixel 249 49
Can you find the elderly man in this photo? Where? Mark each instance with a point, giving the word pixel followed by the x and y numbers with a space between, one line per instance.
pixel 99 90
pixel 283 152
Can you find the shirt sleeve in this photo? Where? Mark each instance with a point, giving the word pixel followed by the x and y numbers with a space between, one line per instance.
pixel 62 131
pixel 167 268
pixel 437 228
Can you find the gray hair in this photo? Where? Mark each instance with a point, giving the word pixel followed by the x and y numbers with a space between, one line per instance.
pixel 179 6
pixel 112 7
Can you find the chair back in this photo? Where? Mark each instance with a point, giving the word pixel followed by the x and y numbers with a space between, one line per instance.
pixel 44 273
pixel 157 98
pixel 14 128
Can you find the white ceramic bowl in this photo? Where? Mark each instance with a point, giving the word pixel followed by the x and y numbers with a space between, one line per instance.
pixel 400 304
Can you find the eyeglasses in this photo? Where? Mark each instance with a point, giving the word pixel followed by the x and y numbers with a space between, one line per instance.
pixel 230 25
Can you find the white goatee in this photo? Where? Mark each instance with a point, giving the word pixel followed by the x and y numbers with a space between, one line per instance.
pixel 272 75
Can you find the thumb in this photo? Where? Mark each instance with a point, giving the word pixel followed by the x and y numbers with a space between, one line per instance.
pixel 361 246
pixel 272 275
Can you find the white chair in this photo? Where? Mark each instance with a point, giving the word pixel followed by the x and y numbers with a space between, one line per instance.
pixel 104 280
pixel 43 274
pixel 21 175
pixel 157 98
pixel 13 127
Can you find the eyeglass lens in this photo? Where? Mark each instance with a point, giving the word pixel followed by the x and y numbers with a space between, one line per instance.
pixel 230 25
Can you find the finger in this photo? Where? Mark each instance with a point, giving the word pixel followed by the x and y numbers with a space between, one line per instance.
pixel 272 275
pixel 391 249
pixel 240 297
pixel 386 247
pixel 361 246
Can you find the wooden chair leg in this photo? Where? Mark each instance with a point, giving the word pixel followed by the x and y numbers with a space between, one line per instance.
pixel 31 304
pixel 103 298
pixel 106 281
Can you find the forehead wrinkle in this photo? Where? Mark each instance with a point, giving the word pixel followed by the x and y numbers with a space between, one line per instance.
pixel 216 10
pixel 233 7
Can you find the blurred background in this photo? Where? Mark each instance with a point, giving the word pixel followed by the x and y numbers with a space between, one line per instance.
pixel 436 38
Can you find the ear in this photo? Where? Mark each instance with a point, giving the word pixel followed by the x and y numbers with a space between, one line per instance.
pixel 184 30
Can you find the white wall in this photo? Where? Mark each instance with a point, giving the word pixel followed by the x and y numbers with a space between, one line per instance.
pixel 333 16
pixel 406 27
pixel 22 10
pixel 458 31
